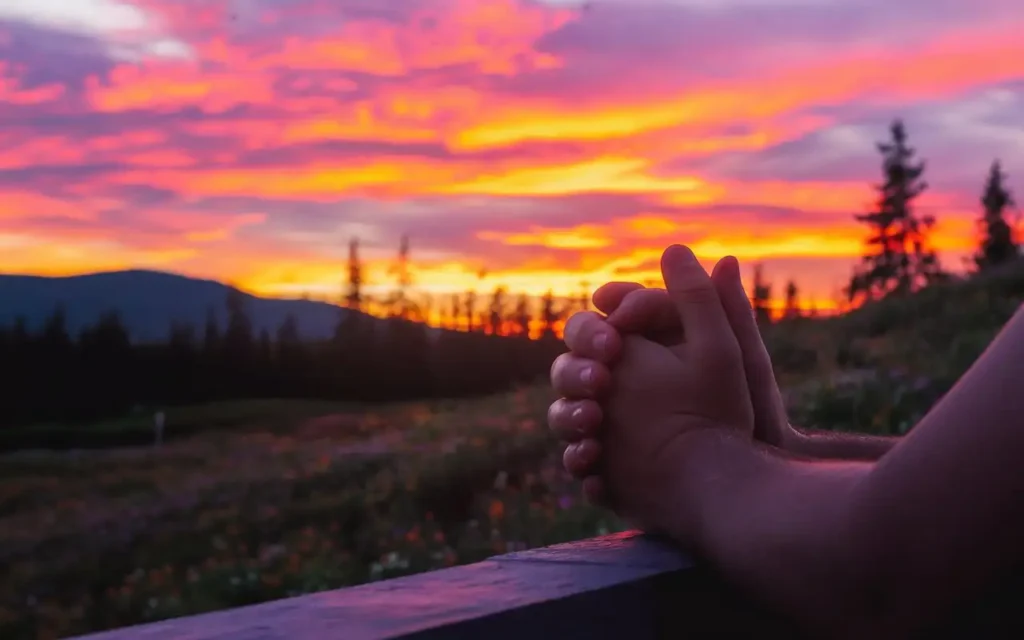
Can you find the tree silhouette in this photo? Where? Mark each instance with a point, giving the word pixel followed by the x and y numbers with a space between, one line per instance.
pixel 584 300
pixel 456 312
pixel 521 317
pixel 238 337
pixel 354 295
pixel 497 312
pixel 549 315
pixel 998 244
pixel 400 304
pixel 469 307
pixel 792 308
pixel 761 299
pixel 899 259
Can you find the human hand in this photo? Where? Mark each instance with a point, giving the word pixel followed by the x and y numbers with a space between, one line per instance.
pixel 577 417
pixel 659 393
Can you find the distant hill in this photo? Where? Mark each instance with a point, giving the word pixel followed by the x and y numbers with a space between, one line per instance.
pixel 149 301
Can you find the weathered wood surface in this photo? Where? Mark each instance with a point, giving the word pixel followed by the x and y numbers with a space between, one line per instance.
pixel 619 586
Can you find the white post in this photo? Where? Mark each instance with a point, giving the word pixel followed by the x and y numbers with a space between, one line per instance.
pixel 158 428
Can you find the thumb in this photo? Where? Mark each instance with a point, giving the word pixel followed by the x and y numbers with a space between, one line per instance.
pixel 609 296
pixel 769 410
pixel 695 297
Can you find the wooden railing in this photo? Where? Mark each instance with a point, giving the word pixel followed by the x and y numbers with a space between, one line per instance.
pixel 619 586
pixel 623 586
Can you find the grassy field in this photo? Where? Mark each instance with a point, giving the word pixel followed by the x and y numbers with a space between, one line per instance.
pixel 260 500
pixel 100 539
pixel 180 422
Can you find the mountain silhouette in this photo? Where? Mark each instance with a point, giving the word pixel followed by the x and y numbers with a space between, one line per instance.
pixel 149 302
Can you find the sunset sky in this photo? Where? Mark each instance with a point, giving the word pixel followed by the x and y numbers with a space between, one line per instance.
pixel 546 141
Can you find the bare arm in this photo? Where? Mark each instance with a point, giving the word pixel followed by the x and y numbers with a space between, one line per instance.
pixel 871 549
pixel 835 445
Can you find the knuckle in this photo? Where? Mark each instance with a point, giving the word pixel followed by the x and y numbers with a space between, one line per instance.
pixel 720 352
pixel 578 325
pixel 696 290
pixel 559 366
pixel 555 412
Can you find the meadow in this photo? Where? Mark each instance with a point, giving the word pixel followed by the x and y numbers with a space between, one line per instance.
pixel 97 539
pixel 268 499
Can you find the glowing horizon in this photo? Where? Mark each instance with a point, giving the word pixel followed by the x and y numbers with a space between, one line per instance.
pixel 546 143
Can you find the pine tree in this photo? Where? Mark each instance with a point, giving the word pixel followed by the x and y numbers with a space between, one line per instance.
pixel 584 296
pixel 497 312
pixel 470 309
pixel 899 259
pixel 456 312
pixel 998 244
pixel 522 317
pixel 354 296
pixel 792 308
pixel 762 297
pixel 238 337
pixel 401 306
pixel 549 315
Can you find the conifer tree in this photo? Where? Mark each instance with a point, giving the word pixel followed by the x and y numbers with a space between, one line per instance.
pixel 998 243
pixel 354 295
pixel 898 259
pixel 792 308
pixel 762 297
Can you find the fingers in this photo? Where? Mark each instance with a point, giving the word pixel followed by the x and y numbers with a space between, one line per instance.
pixel 764 392
pixel 588 335
pixel 574 420
pixel 609 296
pixel 581 458
pixel 649 312
pixel 579 378
pixel 695 298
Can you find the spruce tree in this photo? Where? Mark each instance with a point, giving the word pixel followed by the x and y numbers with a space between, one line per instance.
pixel 549 315
pixel 761 298
pixel 792 308
pixel 497 312
pixel 998 244
pixel 522 316
pixel 898 259
pixel 354 296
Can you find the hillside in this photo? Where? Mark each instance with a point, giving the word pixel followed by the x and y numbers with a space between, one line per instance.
pixel 149 301
pixel 880 367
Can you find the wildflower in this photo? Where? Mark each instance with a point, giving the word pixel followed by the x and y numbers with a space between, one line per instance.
pixel 497 510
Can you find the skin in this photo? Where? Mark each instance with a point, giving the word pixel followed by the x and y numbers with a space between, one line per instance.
pixel 595 342
pixel 847 549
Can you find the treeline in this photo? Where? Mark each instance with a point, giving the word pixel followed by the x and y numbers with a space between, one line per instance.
pixel 51 376
pixel 485 345
pixel 899 257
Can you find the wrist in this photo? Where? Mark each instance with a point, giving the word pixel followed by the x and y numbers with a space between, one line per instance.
pixel 716 469
pixel 776 527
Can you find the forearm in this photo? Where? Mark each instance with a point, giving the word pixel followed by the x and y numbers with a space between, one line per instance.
pixel 893 545
pixel 833 445
pixel 776 528
pixel 943 510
